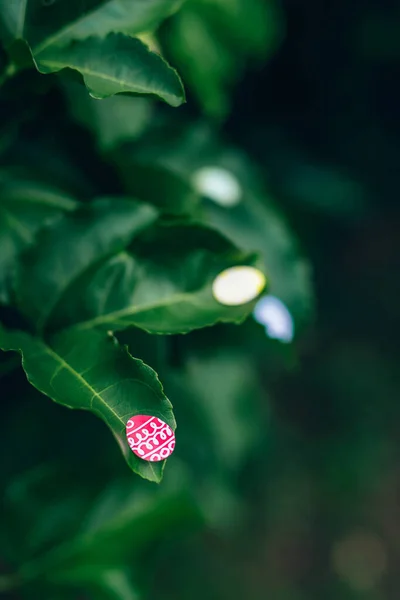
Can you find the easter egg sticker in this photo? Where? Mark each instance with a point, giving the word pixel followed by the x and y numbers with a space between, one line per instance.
pixel 150 438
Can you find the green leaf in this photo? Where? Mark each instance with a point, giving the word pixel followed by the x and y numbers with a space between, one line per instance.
pixel 256 223
pixel 72 246
pixel 169 192
pixel 211 40
pixel 25 207
pixel 45 24
pixel 208 65
pixel 162 283
pixel 74 35
pixel 91 371
pixel 113 121
pixel 124 16
pixel 253 27
pixel 41 23
pixel 115 64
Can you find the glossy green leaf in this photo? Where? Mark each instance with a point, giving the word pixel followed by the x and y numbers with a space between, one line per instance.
pixel 25 207
pixel 115 64
pixel 91 371
pixel 67 250
pixel 162 283
pixel 76 36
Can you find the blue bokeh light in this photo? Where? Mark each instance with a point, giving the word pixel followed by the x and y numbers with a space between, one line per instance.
pixel 274 315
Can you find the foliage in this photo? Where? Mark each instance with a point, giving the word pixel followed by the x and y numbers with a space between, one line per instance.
pixel 119 207
pixel 144 257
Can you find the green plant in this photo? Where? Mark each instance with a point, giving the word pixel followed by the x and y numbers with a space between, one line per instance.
pixel 77 271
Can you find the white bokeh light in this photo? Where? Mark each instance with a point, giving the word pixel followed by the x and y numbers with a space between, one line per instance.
pixel 219 185
pixel 273 314
pixel 238 285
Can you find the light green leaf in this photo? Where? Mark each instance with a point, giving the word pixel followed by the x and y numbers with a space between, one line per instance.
pixel 115 64
pixel 91 371
pixel 162 283
pixel 71 247
pixel 25 207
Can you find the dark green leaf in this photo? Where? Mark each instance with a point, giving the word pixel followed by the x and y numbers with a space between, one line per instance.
pixel 25 207
pixel 253 27
pixel 210 41
pixel 162 283
pixel 91 371
pixel 113 121
pixel 115 64
pixel 254 223
pixel 45 24
pixel 67 250
pixel 170 193
pixel 42 24
pixel 125 16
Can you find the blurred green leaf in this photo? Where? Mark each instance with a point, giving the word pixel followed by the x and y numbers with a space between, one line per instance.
pixel 49 24
pixel 230 399
pixel 251 26
pixel 169 192
pixel 211 41
pixel 25 207
pixel 113 120
pixel 91 371
pixel 206 63
pixel 40 23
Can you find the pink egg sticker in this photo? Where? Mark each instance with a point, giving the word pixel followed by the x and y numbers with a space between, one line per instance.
pixel 150 438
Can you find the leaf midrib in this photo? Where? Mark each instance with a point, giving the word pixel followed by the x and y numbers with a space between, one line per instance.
pixel 86 384
pixel 95 394
pixel 133 310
